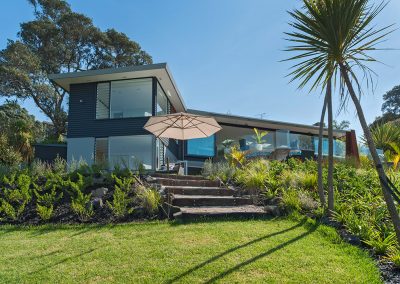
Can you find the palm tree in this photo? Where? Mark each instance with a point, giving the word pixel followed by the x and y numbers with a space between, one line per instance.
pixel 320 158
pixel 333 39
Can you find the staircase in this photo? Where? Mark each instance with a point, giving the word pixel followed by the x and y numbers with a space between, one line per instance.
pixel 194 196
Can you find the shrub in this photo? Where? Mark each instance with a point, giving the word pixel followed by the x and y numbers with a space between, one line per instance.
pixel 16 197
pixel 44 212
pixel 46 199
pixel 40 169
pixel 121 203
pixel 291 201
pixel 235 157
pixel 307 203
pixel 149 199
pixel 393 256
pixel 218 171
pixel 254 175
pixel 80 202
pixel 81 206
pixel 59 166
pixel 380 244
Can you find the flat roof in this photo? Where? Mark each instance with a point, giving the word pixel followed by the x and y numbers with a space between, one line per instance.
pixel 243 121
pixel 160 70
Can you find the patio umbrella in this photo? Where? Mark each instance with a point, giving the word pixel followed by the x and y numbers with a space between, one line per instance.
pixel 182 126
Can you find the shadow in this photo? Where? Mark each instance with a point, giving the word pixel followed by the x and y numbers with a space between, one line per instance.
pixel 262 255
pixel 214 258
pixel 46 254
pixel 63 260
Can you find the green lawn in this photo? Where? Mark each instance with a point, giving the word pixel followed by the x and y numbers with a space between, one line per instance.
pixel 247 251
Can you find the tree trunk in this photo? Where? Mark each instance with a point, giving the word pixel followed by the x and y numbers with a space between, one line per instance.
pixel 331 202
pixel 320 158
pixel 378 165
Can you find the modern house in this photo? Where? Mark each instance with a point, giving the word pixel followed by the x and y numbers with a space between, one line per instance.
pixel 108 109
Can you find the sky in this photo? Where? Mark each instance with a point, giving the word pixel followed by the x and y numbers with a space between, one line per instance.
pixel 225 55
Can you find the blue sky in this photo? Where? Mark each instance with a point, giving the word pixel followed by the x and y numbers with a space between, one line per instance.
pixel 224 55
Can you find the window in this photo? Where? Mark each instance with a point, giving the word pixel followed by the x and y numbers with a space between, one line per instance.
pixel 131 151
pixel 204 147
pixel 103 101
pixel 162 101
pixel 101 150
pixel 131 98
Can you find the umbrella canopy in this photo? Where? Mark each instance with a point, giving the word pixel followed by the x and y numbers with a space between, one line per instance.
pixel 182 126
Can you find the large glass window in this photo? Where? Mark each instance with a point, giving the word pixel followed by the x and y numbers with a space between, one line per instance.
pixel 131 151
pixel 162 101
pixel 131 98
pixel 101 150
pixel 103 101
pixel 204 147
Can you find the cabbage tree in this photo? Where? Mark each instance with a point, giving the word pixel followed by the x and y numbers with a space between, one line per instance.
pixel 333 39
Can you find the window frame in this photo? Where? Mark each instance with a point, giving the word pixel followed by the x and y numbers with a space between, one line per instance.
pixel 153 99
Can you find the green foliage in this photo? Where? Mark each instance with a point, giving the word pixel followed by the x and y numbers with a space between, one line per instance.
pixel 39 168
pixel 8 155
pixel 259 135
pixel 291 201
pixel 255 175
pixel 80 202
pixel 385 134
pixel 222 171
pixel 235 157
pixel 48 196
pixel 121 204
pixel 149 199
pixel 391 102
pixel 381 244
pixel 44 212
pixel 16 197
pixel 393 256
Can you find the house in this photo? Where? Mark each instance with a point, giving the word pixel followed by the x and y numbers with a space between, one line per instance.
pixel 108 109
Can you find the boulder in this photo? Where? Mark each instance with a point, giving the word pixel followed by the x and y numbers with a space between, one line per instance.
pixel 273 210
pixel 97 203
pixel 99 192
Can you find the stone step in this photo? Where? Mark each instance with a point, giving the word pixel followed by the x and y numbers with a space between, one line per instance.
pixel 220 211
pixel 195 190
pixel 209 200
pixel 179 182
pixel 175 176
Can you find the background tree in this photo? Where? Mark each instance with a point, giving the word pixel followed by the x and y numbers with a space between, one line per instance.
pixel 19 129
pixel 60 40
pixel 339 34
pixel 392 101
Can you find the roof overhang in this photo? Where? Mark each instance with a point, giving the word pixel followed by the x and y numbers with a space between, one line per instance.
pixel 160 71
pixel 241 121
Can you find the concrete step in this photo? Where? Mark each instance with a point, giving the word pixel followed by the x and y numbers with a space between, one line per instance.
pixel 175 176
pixel 209 200
pixel 178 182
pixel 220 211
pixel 195 190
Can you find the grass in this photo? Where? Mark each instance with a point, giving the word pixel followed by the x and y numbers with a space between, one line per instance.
pixel 229 251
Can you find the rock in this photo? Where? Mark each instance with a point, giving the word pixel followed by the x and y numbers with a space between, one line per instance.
pixel 273 210
pixel 275 201
pixel 99 192
pixel 97 203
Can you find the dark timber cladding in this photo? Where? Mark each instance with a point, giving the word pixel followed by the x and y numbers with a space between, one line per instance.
pixel 82 120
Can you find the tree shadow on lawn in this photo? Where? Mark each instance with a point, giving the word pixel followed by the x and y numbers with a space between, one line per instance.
pixel 310 229
pixel 73 257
